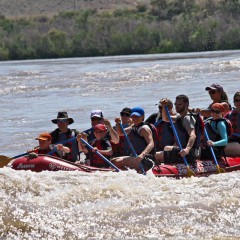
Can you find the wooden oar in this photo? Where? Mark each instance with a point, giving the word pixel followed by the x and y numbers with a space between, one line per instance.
pixel 189 171
pixel 219 170
pixel 100 155
pixel 4 160
pixel 132 148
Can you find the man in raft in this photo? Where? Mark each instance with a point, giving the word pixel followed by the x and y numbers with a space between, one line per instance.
pixel 63 133
pixel 141 138
pixel 185 124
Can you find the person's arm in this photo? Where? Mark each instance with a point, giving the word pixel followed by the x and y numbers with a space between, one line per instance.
pixel 204 112
pixel 108 151
pixel 189 125
pixel 173 115
pixel 147 134
pixel 113 134
pixel 222 130
pixel 119 129
pixel 81 147
pixel 62 148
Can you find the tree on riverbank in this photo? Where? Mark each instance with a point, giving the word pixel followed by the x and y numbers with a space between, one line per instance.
pixel 166 26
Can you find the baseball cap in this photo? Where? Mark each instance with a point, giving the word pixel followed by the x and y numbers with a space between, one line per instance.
pixel 44 136
pixel 215 86
pixel 126 110
pixel 137 111
pixel 96 113
pixel 218 106
pixel 100 127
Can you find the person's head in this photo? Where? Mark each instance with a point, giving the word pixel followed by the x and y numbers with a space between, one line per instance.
pixel 137 115
pixel 217 110
pixel 236 100
pixel 44 140
pixel 181 104
pixel 217 93
pixel 226 108
pixel 100 130
pixel 169 104
pixel 125 115
pixel 63 121
pixel 96 117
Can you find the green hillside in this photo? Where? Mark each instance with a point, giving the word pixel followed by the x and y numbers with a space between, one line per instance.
pixel 157 26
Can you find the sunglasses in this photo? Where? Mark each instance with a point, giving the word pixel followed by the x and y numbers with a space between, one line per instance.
pixel 62 121
pixel 125 114
pixel 96 119
pixel 212 92
pixel 215 111
pixel 236 100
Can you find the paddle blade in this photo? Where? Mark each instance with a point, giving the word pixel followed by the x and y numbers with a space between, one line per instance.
pixel 4 161
pixel 190 173
pixel 220 170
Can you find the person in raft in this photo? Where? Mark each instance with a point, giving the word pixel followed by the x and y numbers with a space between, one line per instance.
pixel 185 127
pixel 46 147
pixel 141 137
pixel 63 133
pixel 233 146
pixel 100 144
pixel 165 136
pixel 217 132
pixel 120 148
pixel 97 117
pixel 218 95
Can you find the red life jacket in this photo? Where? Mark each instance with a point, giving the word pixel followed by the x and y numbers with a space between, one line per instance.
pixel 232 116
pixel 95 160
pixel 165 136
pixel 45 151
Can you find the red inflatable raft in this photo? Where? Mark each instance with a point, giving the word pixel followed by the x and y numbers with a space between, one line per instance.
pixel 49 163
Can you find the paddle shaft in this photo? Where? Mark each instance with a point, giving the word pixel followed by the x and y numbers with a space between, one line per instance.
pixel 64 142
pixel 211 148
pixel 100 155
pixel 236 134
pixel 132 148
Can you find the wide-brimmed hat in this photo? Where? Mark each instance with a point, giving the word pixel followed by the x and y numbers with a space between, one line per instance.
pixel 44 136
pixel 215 86
pixel 63 116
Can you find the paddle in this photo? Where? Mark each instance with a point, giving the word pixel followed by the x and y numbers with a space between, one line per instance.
pixel 132 148
pixel 4 160
pixel 63 142
pixel 236 134
pixel 100 155
pixel 220 170
pixel 189 171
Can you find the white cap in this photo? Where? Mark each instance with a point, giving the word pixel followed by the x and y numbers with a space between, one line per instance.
pixel 96 113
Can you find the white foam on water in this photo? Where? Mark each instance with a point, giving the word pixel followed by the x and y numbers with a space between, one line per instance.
pixel 123 205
